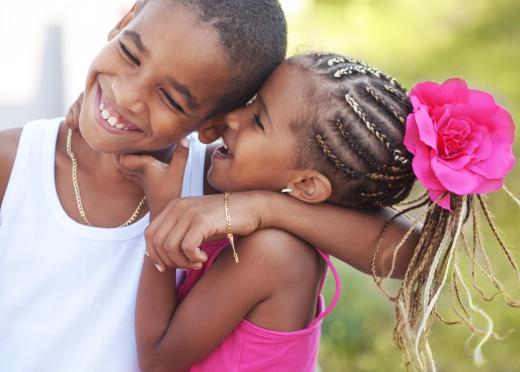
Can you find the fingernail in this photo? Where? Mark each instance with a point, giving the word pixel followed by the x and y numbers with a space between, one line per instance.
pixel 159 267
pixel 185 143
pixel 198 267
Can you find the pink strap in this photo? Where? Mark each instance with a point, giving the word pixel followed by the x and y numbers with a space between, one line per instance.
pixel 337 293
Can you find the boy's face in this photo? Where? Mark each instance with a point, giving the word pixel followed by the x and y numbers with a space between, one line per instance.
pixel 156 80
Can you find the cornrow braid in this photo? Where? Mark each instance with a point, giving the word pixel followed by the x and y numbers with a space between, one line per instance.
pixel 397 154
pixel 367 156
pixel 358 132
pixel 370 90
pixel 351 172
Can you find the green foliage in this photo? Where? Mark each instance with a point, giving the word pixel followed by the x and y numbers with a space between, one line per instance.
pixel 478 40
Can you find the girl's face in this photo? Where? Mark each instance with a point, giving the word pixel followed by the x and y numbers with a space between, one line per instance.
pixel 261 146
pixel 155 81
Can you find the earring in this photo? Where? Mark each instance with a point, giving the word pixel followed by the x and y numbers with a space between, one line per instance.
pixel 287 190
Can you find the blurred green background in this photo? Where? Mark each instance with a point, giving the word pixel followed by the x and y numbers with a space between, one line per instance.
pixel 414 41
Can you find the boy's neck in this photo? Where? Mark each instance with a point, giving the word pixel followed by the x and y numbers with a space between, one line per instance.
pixel 109 199
pixel 103 164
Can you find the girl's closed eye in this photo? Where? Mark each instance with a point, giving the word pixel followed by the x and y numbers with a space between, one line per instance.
pixel 171 102
pixel 258 122
pixel 128 55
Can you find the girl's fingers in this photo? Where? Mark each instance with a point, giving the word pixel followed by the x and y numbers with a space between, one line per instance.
pixel 137 163
pixel 152 255
pixel 72 117
pixel 173 243
pixel 192 241
pixel 181 260
pixel 178 166
pixel 156 235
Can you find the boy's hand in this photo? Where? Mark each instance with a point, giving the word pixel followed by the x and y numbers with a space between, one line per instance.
pixel 185 223
pixel 72 117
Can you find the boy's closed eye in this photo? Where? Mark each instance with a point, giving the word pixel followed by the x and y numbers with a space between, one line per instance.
pixel 131 57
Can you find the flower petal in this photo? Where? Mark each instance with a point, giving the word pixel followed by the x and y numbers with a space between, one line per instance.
pixel 443 202
pixel 422 168
pixel 426 127
pixel 458 181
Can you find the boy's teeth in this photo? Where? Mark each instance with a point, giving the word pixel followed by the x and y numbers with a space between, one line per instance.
pixel 112 121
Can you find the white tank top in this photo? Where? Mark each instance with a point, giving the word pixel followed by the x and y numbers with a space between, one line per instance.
pixel 67 291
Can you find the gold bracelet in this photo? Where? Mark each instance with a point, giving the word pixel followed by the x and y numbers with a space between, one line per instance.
pixel 228 225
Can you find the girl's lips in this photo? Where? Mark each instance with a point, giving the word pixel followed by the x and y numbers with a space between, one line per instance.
pixel 222 152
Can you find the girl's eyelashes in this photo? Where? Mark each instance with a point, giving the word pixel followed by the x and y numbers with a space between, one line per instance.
pixel 258 122
pixel 128 55
pixel 171 102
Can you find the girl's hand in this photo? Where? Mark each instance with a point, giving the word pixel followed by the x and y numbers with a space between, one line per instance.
pixel 185 223
pixel 161 183
pixel 72 117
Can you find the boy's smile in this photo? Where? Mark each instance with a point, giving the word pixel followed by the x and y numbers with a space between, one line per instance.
pixel 109 116
pixel 154 82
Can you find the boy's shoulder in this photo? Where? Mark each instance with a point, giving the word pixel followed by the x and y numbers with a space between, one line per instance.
pixel 9 140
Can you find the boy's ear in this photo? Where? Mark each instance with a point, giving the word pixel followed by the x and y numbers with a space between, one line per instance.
pixel 311 187
pixel 212 130
pixel 126 19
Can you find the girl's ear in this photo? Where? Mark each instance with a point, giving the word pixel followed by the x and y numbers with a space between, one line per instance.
pixel 212 130
pixel 312 187
pixel 126 19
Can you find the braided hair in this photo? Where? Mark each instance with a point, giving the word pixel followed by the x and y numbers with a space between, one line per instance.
pixel 355 130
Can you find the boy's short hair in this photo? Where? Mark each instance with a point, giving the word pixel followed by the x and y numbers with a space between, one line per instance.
pixel 254 35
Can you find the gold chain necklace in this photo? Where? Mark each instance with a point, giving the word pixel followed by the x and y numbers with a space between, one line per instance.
pixel 79 203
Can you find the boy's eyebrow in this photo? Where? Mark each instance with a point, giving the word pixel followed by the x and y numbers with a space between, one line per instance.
pixel 185 92
pixel 136 38
pixel 264 107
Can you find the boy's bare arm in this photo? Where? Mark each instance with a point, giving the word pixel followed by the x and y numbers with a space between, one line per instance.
pixel 9 140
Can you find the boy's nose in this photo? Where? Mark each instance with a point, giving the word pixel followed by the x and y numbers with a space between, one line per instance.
pixel 233 123
pixel 233 119
pixel 128 97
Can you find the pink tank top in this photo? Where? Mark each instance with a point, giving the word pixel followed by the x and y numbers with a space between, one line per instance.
pixel 250 348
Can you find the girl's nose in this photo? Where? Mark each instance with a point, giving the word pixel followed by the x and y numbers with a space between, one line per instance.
pixel 128 96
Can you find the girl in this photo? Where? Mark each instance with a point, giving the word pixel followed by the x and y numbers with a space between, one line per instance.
pixel 322 128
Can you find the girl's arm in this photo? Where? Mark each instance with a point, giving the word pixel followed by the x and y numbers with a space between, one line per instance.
pixel 348 234
pixel 173 338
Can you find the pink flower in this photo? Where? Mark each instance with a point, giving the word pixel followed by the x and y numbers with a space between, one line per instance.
pixel 461 139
